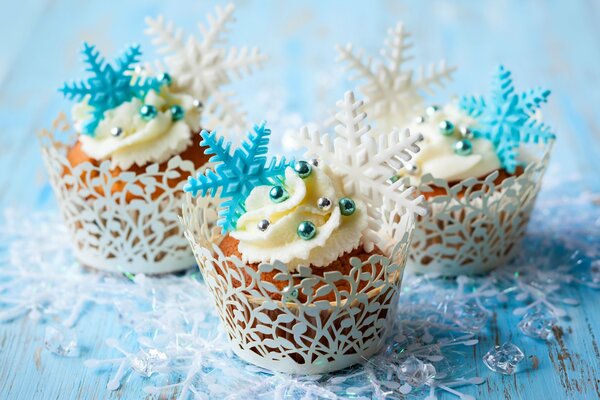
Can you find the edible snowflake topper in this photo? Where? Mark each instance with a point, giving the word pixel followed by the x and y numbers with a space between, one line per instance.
pixel 110 86
pixel 236 174
pixel 508 118
pixel 366 162
pixel 392 93
pixel 202 67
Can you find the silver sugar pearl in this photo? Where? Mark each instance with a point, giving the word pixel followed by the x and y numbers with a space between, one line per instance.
pixel 465 132
pixel 431 110
pixel 420 119
pixel 116 131
pixel 412 169
pixel 197 104
pixel 263 224
pixel 315 162
pixel 324 203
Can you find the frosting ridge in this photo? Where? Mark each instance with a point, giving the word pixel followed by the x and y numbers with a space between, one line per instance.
pixel 335 235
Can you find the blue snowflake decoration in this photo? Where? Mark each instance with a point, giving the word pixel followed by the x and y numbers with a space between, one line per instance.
pixel 506 118
pixel 238 173
pixel 109 86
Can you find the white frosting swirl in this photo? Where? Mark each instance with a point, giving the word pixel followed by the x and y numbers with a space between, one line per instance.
pixel 336 233
pixel 437 156
pixel 141 141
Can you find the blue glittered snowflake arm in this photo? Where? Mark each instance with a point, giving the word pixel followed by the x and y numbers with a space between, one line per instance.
pixel 257 142
pixel 533 99
pixel 276 169
pixel 216 146
pixel 142 86
pixel 75 91
pixel 502 85
pixel 130 57
pixel 536 132
pixel 95 63
pixel 472 105
pixel 207 183
pixel 231 210
pixel 508 154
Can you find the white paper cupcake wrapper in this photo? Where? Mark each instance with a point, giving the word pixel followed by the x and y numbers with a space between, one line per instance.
pixel 476 225
pixel 110 233
pixel 303 334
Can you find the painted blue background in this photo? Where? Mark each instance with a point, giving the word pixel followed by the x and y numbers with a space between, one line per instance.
pixel 551 43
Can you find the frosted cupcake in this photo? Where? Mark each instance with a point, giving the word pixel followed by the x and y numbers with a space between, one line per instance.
pixel 307 265
pixel 119 177
pixel 480 168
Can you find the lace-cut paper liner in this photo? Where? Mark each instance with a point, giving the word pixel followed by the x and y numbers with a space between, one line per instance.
pixel 123 222
pixel 477 224
pixel 302 333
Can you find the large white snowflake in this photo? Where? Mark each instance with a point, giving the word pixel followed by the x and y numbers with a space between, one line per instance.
pixel 201 67
pixel 393 93
pixel 365 161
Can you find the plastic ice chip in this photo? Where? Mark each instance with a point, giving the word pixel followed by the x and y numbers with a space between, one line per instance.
pixel 504 359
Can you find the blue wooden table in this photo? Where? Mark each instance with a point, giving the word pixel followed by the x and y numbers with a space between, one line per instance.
pixel 551 43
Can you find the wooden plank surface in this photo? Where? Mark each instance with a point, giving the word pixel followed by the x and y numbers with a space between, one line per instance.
pixel 550 43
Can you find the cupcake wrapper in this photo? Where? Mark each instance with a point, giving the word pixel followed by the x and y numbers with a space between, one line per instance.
pixel 308 336
pixel 123 223
pixel 476 225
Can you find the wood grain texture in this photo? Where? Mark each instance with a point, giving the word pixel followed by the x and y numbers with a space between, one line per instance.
pixel 550 43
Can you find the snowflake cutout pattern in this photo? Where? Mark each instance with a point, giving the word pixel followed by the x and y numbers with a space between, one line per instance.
pixel 393 94
pixel 366 162
pixel 508 119
pixel 201 67
pixel 236 174
pixel 109 86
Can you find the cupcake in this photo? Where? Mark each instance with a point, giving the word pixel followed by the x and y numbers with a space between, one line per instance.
pixel 480 169
pixel 481 163
pixel 134 141
pixel 305 258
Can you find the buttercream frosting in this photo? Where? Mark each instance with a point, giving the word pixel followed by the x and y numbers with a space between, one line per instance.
pixel 437 156
pixel 336 233
pixel 141 141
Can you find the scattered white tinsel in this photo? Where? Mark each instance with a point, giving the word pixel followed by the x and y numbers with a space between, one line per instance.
pixel 171 335
pixel 202 67
pixel 393 92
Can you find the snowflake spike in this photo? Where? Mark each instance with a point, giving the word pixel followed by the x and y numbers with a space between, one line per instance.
pixel 236 174
pixel 95 63
pixel 507 118
pixel 396 47
pixel 164 35
pixel 392 92
pixel 533 99
pixel 216 146
pixel 216 26
pixel 130 56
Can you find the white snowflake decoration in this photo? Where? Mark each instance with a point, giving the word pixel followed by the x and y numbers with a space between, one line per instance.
pixel 366 162
pixel 202 67
pixel 392 92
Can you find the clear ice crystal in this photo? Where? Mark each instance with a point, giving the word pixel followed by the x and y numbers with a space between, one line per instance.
pixel 148 362
pixel 538 324
pixel 61 341
pixel 503 359
pixel 470 315
pixel 415 372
